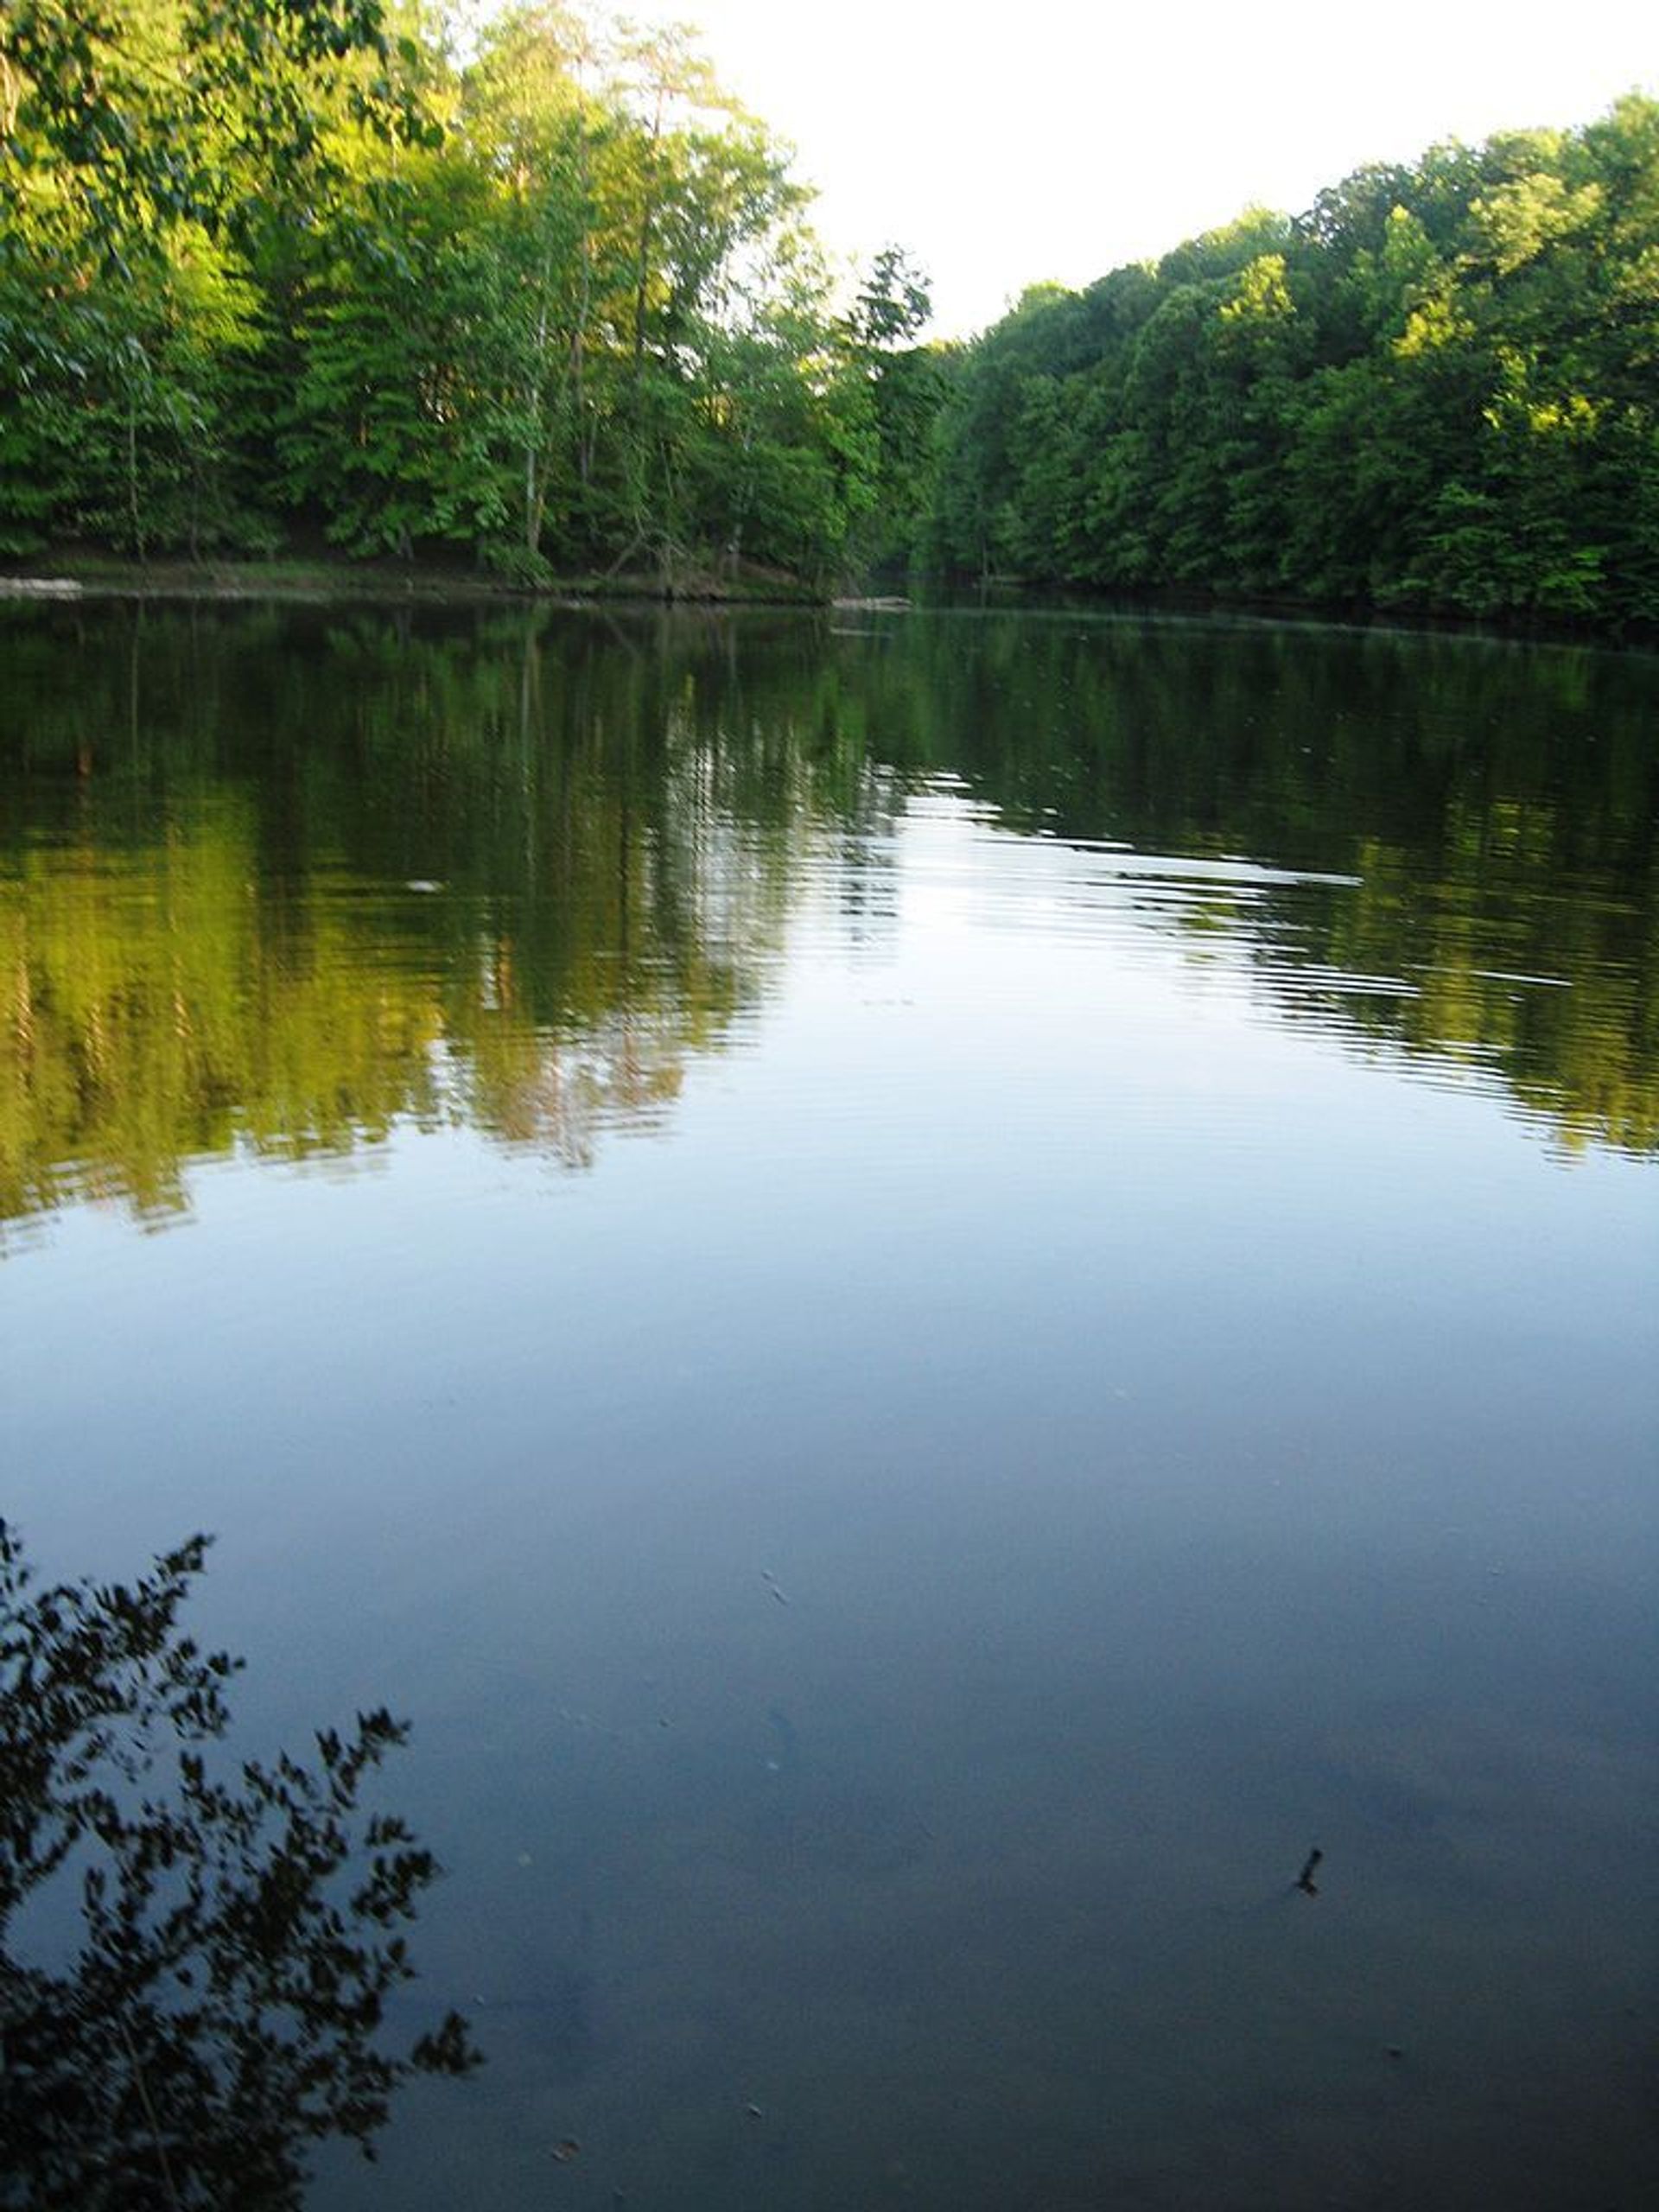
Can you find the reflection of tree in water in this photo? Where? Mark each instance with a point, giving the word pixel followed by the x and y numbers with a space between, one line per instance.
pixel 1497 804
pixel 283 884
pixel 239 1925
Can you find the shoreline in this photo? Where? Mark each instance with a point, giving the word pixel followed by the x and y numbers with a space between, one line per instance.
pixel 68 577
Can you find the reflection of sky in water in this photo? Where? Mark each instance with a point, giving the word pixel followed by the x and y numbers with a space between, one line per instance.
pixel 893 1570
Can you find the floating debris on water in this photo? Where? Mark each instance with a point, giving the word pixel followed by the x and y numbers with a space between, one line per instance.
pixel 1304 1880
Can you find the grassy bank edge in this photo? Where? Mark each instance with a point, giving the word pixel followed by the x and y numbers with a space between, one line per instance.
pixel 70 574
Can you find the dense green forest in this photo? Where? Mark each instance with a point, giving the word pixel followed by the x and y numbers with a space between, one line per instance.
pixel 273 270
pixel 282 273
pixel 1438 390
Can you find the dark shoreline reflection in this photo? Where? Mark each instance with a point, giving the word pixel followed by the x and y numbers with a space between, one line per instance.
pixel 282 879
pixel 1488 812
pixel 196 1956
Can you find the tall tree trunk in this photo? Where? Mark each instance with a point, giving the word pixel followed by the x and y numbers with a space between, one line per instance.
pixel 134 510
pixel 535 486
pixel 647 221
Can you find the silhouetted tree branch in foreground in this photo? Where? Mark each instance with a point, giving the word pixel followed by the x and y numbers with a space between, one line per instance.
pixel 218 2007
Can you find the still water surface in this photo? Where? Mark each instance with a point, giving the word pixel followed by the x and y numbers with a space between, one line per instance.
pixel 931 1289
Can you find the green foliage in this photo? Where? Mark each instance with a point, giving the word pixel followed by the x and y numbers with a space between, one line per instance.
pixel 388 432
pixel 120 120
pixel 559 307
pixel 895 392
pixel 1437 390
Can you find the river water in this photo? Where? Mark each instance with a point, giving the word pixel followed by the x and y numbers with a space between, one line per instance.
pixel 932 1289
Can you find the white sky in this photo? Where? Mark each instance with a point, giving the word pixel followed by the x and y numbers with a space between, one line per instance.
pixel 1047 139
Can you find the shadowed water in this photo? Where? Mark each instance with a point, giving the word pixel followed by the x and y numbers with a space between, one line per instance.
pixel 931 1292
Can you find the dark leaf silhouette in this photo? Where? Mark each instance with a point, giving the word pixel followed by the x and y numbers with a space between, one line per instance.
pixel 219 2008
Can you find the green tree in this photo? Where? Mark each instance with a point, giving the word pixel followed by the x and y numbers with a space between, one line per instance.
pixel 1435 389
